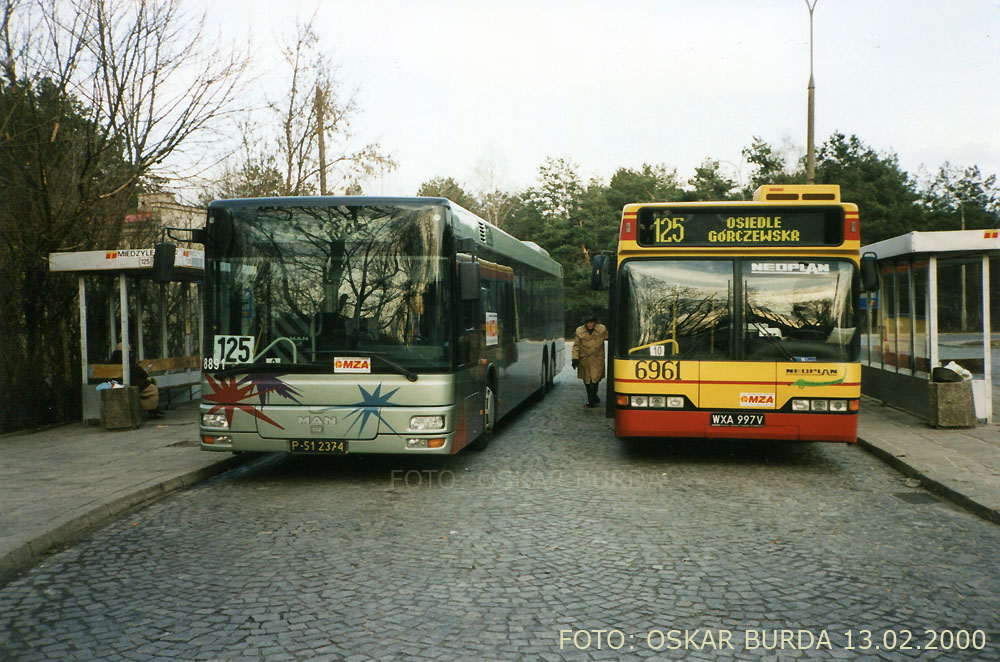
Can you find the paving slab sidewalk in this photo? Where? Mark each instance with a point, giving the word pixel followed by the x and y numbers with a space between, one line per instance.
pixel 961 464
pixel 56 483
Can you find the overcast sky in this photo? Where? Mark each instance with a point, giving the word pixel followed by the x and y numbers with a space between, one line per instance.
pixel 447 86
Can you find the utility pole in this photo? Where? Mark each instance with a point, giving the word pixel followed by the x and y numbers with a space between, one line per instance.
pixel 321 138
pixel 811 110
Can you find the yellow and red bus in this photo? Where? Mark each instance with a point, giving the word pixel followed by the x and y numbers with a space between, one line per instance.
pixel 737 319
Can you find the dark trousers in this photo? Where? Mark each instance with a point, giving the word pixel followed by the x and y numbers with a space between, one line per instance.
pixel 592 398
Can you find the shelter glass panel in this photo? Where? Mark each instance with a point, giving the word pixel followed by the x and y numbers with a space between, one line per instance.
pixel 887 318
pixel 904 328
pixel 960 313
pixel 921 344
pixel 995 303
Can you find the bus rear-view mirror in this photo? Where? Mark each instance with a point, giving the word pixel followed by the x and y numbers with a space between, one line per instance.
pixel 869 272
pixel 163 262
pixel 600 276
pixel 468 280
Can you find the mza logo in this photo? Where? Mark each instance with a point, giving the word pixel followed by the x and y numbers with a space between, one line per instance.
pixel 346 364
pixel 757 399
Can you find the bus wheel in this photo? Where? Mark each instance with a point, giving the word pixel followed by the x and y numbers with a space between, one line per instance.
pixel 489 419
pixel 539 395
pixel 550 380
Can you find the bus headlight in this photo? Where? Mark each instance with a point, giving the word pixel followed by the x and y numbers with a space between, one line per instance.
pixel 675 402
pixel 659 401
pixel 426 423
pixel 820 405
pixel 640 401
pixel 800 405
pixel 838 405
pixel 214 421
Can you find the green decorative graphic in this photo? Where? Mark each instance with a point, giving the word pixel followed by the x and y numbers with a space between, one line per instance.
pixel 802 383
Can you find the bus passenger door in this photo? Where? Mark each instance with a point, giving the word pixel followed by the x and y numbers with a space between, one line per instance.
pixel 468 350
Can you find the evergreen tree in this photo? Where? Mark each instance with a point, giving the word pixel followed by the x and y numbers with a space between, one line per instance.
pixel 768 167
pixel 962 198
pixel 447 187
pixel 886 195
pixel 709 183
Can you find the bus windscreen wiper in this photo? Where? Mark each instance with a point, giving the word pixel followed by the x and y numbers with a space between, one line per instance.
pixel 406 372
pixel 762 332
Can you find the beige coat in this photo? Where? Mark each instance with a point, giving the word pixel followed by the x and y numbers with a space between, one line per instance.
pixel 588 348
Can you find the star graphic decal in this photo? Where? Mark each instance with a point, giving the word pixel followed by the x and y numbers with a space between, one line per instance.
pixel 270 383
pixel 229 393
pixel 369 406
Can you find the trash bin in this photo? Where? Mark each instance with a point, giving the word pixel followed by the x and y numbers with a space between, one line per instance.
pixel 120 408
pixel 950 405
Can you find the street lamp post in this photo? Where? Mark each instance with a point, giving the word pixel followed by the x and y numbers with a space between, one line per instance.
pixel 811 110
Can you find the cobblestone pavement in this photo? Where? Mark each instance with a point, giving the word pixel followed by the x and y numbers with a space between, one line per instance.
pixel 680 551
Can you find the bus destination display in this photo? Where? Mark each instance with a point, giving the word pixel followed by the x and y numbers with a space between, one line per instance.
pixel 744 226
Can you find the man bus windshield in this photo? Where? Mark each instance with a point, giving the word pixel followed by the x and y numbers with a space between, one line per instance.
pixel 296 286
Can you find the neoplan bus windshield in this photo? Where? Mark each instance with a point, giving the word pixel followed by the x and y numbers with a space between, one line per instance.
pixel 761 309
pixel 304 287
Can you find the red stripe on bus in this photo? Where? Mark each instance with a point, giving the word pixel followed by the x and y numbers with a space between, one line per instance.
pixel 696 381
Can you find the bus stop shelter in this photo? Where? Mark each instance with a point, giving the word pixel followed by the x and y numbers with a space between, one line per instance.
pixel 128 266
pixel 933 307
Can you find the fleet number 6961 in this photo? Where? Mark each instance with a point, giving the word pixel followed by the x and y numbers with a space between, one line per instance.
pixel 665 370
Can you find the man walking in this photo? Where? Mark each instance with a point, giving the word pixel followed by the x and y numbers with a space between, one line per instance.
pixel 588 356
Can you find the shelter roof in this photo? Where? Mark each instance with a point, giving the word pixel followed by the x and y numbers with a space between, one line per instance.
pixel 189 263
pixel 945 241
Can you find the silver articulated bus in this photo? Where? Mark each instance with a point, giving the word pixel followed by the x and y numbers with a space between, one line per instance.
pixel 369 325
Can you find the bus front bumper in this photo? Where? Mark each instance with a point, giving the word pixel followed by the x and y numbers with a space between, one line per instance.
pixel 439 443
pixel 697 424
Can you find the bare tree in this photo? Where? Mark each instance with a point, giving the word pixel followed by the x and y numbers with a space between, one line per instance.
pixel 495 204
pixel 98 97
pixel 311 135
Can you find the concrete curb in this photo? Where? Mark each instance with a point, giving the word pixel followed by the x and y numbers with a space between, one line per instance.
pixel 952 495
pixel 28 554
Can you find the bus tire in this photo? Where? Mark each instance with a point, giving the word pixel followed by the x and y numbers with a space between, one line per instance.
pixel 551 383
pixel 539 395
pixel 489 418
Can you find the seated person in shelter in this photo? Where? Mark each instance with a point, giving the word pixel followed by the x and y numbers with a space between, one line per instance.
pixel 149 395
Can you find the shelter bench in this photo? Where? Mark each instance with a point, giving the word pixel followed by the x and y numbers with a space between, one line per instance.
pixel 172 373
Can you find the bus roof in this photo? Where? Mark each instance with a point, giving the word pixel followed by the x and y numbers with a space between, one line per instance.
pixel 468 225
pixel 797 193
pixel 324 200
pixel 770 194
